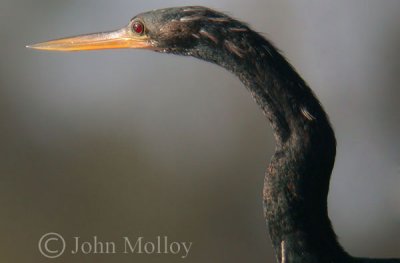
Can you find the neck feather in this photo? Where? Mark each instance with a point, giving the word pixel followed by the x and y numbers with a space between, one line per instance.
pixel 297 180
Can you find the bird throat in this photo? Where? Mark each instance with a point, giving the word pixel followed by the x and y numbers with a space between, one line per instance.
pixel 297 180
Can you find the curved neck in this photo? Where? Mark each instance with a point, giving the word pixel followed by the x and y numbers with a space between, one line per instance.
pixel 297 180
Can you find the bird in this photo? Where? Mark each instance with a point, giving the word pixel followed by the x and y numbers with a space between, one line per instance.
pixel 296 182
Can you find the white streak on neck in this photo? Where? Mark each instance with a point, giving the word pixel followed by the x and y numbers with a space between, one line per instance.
pixel 283 252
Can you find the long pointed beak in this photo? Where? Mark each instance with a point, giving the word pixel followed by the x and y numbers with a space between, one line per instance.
pixel 122 38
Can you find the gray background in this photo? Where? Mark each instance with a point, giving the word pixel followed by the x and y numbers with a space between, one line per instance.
pixel 134 143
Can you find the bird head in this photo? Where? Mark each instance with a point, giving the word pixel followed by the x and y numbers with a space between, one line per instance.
pixel 179 30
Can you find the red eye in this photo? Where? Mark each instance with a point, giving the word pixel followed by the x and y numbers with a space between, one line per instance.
pixel 138 27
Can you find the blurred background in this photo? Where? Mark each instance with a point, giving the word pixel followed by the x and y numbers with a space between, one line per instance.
pixel 134 143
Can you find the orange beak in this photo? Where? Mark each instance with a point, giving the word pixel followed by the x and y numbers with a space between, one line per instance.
pixel 122 38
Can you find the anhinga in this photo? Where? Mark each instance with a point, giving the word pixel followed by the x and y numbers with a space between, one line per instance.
pixel 297 180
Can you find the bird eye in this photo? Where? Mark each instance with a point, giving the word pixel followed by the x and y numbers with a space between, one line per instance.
pixel 138 27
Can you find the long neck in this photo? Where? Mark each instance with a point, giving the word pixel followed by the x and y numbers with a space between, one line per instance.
pixel 297 179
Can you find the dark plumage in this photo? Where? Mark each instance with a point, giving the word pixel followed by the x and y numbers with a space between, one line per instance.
pixel 297 180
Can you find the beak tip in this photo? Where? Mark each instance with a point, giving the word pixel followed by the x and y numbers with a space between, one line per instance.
pixel 34 46
pixel 39 46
